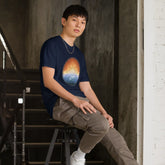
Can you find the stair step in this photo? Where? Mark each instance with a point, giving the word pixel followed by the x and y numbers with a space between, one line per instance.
pixel 59 162
pixel 42 126
pixel 36 110
pixel 19 94
pixel 28 74
pixel 42 144
pixel 31 110
pixel 95 162
pixel 39 163
pixel 19 81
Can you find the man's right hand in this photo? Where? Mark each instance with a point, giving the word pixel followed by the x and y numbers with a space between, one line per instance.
pixel 84 105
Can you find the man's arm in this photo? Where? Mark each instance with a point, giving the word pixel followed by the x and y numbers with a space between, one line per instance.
pixel 90 94
pixel 55 87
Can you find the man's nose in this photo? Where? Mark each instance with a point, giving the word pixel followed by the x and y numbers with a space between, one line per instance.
pixel 78 24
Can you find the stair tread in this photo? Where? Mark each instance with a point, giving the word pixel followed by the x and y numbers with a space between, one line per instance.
pixel 31 109
pixel 27 95
pixel 18 81
pixel 42 126
pixel 51 162
pixel 40 143
pixel 42 162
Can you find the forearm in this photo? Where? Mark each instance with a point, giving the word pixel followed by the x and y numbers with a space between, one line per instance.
pixel 56 88
pixel 53 85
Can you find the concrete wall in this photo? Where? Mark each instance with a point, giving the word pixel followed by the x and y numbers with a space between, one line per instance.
pixel 12 22
pixel 127 113
pixel 99 49
pixel 43 22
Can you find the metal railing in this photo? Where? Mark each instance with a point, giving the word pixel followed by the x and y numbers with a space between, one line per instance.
pixel 9 51
pixel 3 108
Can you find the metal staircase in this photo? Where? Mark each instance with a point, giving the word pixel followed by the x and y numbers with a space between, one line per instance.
pixel 33 128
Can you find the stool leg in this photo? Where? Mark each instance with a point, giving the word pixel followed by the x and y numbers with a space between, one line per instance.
pixel 51 146
pixel 75 132
pixel 67 148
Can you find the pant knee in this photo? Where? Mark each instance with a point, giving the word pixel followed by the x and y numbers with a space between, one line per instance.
pixel 101 127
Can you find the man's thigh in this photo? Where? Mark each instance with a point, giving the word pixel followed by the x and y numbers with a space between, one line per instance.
pixel 66 112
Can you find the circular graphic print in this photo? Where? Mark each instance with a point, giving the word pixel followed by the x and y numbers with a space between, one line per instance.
pixel 71 71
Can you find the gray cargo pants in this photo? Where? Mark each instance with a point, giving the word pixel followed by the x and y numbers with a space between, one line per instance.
pixel 96 129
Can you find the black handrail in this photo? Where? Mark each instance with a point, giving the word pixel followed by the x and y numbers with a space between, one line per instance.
pixel 20 76
pixel 12 57
pixel 8 125
pixel 9 51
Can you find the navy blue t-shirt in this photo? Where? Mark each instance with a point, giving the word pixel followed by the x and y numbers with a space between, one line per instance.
pixel 70 68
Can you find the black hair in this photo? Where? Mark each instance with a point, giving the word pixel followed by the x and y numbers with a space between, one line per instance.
pixel 77 10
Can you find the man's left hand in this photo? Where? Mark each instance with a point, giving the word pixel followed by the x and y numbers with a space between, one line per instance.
pixel 110 119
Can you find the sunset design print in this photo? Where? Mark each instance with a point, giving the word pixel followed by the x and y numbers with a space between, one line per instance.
pixel 71 71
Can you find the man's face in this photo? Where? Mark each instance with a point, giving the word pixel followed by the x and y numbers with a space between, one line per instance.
pixel 74 26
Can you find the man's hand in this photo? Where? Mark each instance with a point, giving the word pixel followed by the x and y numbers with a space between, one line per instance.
pixel 84 106
pixel 109 118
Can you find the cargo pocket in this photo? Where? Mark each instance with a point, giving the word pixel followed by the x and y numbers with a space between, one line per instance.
pixel 64 111
pixel 80 120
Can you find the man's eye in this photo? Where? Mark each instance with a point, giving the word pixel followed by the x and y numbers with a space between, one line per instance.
pixel 74 19
pixel 83 22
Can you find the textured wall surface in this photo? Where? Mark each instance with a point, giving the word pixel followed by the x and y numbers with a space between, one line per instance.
pixel 43 22
pixel 154 82
pixel 127 113
pixel 12 22
pixel 99 49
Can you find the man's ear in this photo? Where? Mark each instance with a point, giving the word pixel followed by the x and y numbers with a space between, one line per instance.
pixel 63 21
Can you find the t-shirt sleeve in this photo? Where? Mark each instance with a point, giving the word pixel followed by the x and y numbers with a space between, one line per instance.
pixel 83 71
pixel 48 55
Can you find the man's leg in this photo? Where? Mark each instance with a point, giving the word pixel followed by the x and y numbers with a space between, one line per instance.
pixel 117 148
pixel 96 129
pixel 94 125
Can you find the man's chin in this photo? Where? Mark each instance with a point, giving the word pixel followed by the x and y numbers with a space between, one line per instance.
pixel 77 35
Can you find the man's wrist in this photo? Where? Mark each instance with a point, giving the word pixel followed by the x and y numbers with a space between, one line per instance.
pixel 104 112
pixel 73 99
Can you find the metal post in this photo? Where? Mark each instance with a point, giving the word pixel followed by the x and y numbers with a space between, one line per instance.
pixel 67 146
pixel 15 142
pixel 23 128
pixel 4 80
pixel 4 61
pixel 51 146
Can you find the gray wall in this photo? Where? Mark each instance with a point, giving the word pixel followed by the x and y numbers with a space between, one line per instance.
pixel 12 22
pixel 43 22
pixel 99 49
pixel 127 112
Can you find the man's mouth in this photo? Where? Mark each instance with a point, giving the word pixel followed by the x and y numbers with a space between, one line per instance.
pixel 76 30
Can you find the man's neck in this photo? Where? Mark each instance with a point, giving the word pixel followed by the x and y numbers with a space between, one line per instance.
pixel 68 39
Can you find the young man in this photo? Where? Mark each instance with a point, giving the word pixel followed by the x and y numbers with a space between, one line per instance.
pixel 68 95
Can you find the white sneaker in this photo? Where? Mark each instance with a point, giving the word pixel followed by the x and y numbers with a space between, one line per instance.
pixel 74 161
